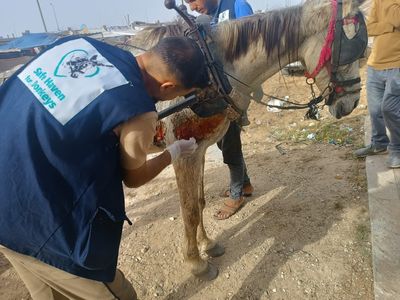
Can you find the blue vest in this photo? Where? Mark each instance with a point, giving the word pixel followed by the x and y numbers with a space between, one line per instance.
pixel 236 9
pixel 224 5
pixel 61 196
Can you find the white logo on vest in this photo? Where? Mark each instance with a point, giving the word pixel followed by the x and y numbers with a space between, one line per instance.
pixel 69 77
pixel 224 16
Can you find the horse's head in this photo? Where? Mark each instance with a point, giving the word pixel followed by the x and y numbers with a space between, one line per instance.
pixel 335 40
pixel 328 36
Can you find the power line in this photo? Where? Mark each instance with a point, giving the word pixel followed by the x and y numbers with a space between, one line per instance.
pixel 55 15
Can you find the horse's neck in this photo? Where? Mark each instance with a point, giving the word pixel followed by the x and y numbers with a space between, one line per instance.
pixel 255 66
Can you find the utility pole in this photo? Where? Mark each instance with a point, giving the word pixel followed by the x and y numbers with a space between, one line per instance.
pixel 41 15
pixel 55 15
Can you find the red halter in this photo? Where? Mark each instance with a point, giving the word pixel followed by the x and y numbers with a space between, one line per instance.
pixel 326 52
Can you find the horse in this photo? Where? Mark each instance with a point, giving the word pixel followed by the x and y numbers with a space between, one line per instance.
pixel 251 50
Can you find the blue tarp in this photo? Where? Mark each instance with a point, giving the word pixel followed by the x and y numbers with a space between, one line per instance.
pixel 30 41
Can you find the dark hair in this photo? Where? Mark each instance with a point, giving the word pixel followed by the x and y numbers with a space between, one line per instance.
pixel 184 59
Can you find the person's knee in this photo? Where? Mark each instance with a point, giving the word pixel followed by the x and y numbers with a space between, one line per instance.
pixel 391 101
pixel 376 109
pixel 391 105
pixel 394 87
pixel 375 98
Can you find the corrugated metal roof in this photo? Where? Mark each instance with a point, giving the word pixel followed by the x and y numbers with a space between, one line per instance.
pixel 30 41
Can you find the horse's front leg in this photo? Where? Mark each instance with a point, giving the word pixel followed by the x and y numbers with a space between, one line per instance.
pixel 206 245
pixel 188 178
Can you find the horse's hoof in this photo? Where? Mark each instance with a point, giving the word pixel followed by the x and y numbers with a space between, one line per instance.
pixel 216 251
pixel 208 274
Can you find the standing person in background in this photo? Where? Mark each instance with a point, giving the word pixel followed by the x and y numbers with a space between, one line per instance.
pixel 77 121
pixel 383 81
pixel 230 144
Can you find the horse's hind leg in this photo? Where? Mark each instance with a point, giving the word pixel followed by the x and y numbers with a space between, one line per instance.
pixel 188 176
pixel 206 245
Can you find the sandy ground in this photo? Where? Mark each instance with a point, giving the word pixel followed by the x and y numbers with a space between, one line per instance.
pixel 304 234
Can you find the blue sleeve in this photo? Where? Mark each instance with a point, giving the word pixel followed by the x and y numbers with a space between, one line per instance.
pixel 242 9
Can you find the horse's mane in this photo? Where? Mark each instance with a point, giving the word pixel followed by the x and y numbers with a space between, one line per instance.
pixel 149 36
pixel 278 29
pixel 154 34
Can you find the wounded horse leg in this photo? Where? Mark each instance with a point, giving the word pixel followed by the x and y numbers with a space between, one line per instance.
pixel 206 245
pixel 188 178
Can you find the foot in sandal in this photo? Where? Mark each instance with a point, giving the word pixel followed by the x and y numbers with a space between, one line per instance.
pixel 229 208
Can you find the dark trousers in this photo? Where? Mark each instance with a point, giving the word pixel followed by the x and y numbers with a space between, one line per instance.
pixel 231 146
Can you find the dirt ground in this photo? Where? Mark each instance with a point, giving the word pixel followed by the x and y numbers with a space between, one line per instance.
pixel 304 234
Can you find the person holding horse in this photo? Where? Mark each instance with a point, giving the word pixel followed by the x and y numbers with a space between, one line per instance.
pixel 383 81
pixel 230 144
pixel 69 140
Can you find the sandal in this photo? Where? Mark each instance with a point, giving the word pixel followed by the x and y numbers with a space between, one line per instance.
pixel 229 208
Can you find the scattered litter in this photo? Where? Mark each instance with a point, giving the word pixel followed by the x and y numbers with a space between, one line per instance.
pixel 293 69
pixel 276 102
pixel 172 218
pixel 311 136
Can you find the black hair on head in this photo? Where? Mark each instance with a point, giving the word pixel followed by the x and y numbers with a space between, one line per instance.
pixel 184 59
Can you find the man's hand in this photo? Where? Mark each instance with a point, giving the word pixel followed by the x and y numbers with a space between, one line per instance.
pixel 151 168
pixel 182 148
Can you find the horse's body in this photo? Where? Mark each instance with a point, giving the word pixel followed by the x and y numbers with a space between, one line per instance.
pixel 251 49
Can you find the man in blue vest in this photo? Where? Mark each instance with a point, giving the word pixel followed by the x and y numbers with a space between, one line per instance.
pixel 77 121
pixel 230 144
pixel 221 10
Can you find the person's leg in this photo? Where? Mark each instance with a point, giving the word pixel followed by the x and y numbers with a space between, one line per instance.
pixel 376 83
pixel 231 146
pixel 246 178
pixel 36 287
pixel 391 113
pixel 248 189
pixel 236 181
pixel 46 282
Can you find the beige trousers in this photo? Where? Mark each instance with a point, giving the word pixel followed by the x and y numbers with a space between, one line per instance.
pixel 45 282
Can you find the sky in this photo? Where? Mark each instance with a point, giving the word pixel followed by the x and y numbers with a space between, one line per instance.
pixel 16 16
